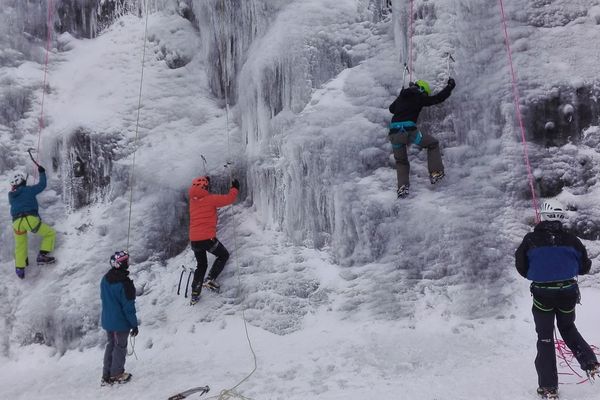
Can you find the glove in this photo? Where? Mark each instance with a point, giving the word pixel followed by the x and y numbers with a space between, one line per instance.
pixel 235 184
pixel 41 169
pixel 134 332
pixel 451 83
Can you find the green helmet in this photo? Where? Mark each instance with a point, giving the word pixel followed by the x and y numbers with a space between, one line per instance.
pixel 424 86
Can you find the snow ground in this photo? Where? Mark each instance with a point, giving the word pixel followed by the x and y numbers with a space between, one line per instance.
pixel 332 357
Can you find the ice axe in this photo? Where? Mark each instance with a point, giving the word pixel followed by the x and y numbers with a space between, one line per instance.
pixel 29 150
pixel 205 163
pixel 404 74
pixel 448 59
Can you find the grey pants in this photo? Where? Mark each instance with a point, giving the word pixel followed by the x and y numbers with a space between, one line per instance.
pixel 115 353
pixel 401 139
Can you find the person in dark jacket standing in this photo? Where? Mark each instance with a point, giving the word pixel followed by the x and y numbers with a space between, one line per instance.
pixel 26 218
pixel 118 317
pixel 552 258
pixel 403 131
pixel 203 232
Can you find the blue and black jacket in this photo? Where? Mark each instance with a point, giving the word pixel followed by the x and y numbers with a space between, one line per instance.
pixel 23 201
pixel 550 254
pixel 118 301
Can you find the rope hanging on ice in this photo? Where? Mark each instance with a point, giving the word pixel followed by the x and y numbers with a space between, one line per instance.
pixel 137 126
pixel 227 394
pixel 410 41
pixel 49 18
pixel 517 102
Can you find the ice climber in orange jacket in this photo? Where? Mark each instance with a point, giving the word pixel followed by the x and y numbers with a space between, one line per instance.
pixel 203 232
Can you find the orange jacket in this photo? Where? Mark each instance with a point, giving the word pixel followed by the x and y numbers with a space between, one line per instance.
pixel 203 211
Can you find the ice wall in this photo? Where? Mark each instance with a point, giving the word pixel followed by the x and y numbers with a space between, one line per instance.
pixel 309 83
pixel 319 166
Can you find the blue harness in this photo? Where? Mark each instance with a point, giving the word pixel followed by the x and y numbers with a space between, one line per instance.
pixel 400 127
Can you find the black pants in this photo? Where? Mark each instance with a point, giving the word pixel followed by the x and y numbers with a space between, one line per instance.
pixel 560 303
pixel 200 248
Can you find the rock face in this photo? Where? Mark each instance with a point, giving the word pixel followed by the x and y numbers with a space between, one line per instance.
pixel 562 116
pixel 84 162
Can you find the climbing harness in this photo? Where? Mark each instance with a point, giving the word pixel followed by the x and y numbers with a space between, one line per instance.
pixel 137 126
pixel 517 102
pixel 25 217
pixel 405 128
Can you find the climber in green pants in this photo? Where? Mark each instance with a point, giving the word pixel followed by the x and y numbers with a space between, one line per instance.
pixel 26 218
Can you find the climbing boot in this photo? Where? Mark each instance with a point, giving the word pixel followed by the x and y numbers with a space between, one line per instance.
pixel 548 393
pixel 436 176
pixel 212 285
pixel 402 191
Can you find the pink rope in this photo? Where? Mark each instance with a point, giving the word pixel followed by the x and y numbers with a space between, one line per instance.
pixel 410 42
pixel 517 101
pixel 566 358
pixel 48 44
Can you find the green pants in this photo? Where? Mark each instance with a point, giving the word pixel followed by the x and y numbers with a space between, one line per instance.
pixel 33 224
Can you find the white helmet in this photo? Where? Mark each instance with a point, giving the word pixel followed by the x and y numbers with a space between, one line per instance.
pixel 552 210
pixel 18 179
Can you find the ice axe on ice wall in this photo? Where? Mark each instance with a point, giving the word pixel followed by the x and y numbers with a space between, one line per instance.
pixel 30 150
pixel 205 163
pixel 448 59
pixel 404 74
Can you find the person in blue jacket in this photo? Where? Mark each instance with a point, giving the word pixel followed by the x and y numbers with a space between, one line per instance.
pixel 26 218
pixel 118 317
pixel 552 258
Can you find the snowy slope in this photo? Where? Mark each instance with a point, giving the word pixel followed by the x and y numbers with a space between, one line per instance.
pixel 348 293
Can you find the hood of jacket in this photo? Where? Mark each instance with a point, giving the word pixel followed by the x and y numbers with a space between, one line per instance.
pixel 16 192
pixel 552 226
pixel 198 193
pixel 115 275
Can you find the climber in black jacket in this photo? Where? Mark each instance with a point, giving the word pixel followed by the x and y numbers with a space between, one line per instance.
pixel 404 131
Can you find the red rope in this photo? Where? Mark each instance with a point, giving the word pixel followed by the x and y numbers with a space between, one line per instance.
pixel 49 24
pixel 566 358
pixel 410 44
pixel 517 101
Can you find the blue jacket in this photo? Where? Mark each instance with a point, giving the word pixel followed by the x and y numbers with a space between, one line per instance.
pixel 549 254
pixel 118 301
pixel 22 200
